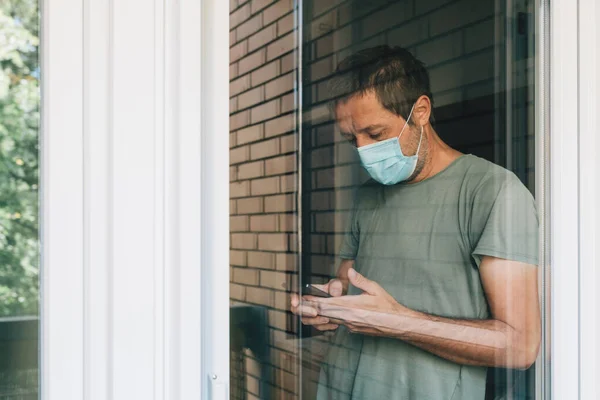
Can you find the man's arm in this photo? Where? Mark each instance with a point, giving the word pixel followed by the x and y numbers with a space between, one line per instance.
pixel 509 339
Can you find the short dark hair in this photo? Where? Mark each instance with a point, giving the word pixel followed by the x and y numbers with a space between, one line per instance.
pixel 393 73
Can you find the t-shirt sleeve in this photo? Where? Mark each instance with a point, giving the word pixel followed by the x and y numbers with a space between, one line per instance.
pixel 505 221
pixel 349 248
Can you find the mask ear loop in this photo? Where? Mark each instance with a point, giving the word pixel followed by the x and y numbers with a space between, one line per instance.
pixel 420 140
pixel 408 119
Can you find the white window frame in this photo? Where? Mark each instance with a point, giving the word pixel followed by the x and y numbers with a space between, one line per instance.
pixel 574 197
pixel 134 187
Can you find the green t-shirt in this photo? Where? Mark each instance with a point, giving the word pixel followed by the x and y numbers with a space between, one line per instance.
pixel 423 243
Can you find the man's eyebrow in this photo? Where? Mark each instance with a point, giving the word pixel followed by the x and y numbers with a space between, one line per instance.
pixel 371 127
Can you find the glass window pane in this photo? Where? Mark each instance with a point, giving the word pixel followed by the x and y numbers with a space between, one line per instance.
pixel 19 245
pixel 438 213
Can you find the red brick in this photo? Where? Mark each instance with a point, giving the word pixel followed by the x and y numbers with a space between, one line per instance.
pixel 243 241
pixel 237 292
pixel 273 241
pixel 282 302
pixel 280 85
pixel 278 319
pixel 252 61
pixel 293 242
pixel 283 124
pixel 264 111
pixel 280 165
pixel 320 200
pixel 260 296
pixel 233 68
pixel 250 134
pixel 288 222
pixel 288 63
pixel 288 103
pixel 275 280
pixel 232 38
pixel 266 148
pixel 239 16
pixel 248 28
pixel 286 262
pixel 238 120
pixel 285 24
pixel 256 5
pixel 264 186
pixel 250 206
pixel 250 98
pixel 289 183
pixel 386 18
pixel 238 223
pixel 239 189
pixel 251 170
pixel 280 47
pixel 245 276
pixel 261 38
pixel 458 14
pixel 279 203
pixel 239 85
pixel 238 51
pixel 232 139
pixel 318 243
pixel 321 68
pixel 412 32
pixel 237 257
pixel 261 259
pixel 239 155
pixel 232 207
pixel 232 174
pixel 264 223
pixel 322 157
pixel 233 105
pixel 289 143
pixel 266 73
pixel 276 11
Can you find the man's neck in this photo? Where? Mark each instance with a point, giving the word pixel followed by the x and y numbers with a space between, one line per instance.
pixel 439 157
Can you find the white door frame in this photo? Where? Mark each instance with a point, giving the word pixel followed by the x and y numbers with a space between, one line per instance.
pixel 574 197
pixel 135 143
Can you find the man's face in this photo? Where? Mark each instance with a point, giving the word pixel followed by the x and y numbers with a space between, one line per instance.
pixel 363 121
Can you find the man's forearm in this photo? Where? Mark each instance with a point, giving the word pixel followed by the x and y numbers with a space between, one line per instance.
pixel 472 342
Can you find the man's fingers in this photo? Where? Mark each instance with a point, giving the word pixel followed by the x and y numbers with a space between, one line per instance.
pixel 295 300
pixel 326 327
pixel 364 284
pixel 304 310
pixel 314 320
pixel 336 288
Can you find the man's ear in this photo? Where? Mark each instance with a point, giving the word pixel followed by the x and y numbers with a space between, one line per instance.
pixel 422 110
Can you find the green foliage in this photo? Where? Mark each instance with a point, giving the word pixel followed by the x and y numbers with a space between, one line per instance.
pixel 19 135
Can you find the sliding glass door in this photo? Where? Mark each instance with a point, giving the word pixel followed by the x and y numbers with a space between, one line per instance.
pixel 319 92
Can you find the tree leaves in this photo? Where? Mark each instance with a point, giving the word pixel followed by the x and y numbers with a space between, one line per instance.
pixel 19 159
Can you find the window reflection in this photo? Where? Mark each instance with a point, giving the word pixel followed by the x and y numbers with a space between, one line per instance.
pixel 429 233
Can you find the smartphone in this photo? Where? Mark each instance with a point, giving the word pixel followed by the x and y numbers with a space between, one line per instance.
pixel 311 290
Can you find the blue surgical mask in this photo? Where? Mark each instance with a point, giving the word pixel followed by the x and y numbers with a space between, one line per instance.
pixel 385 162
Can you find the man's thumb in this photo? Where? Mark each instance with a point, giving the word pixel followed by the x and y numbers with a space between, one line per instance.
pixel 364 284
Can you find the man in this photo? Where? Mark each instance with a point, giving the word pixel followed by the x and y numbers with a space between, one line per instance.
pixel 438 277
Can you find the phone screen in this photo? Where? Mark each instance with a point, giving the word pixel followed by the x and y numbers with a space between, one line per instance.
pixel 311 290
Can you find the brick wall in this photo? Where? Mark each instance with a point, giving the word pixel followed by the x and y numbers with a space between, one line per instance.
pixel 263 178
pixel 457 39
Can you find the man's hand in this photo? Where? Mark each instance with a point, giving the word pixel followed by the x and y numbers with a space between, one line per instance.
pixel 360 313
pixel 309 313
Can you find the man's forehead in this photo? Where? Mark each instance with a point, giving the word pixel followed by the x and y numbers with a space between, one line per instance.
pixel 359 112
